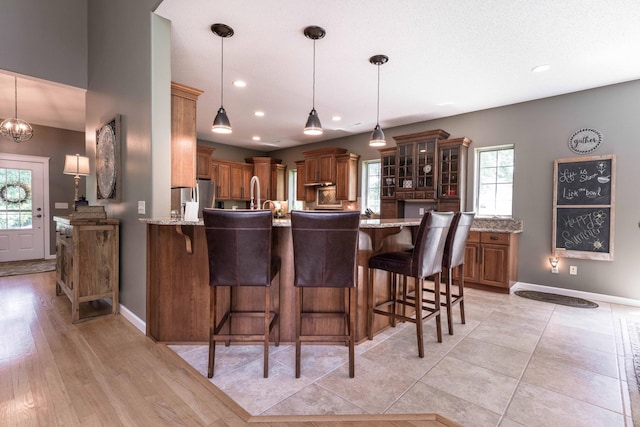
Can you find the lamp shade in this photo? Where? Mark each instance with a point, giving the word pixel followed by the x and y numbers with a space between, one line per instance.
pixel 221 123
pixel 76 165
pixel 313 126
pixel 377 137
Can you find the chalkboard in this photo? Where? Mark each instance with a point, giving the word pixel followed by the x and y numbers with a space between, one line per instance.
pixel 584 207
pixel 584 183
pixel 583 229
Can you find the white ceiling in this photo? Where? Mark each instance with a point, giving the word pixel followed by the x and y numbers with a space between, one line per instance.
pixel 446 58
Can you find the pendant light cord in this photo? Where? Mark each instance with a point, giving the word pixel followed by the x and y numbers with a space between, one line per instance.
pixel 15 98
pixel 313 102
pixel 378 106
pixel 222 72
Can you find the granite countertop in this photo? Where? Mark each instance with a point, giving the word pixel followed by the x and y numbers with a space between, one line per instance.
pixel 492 225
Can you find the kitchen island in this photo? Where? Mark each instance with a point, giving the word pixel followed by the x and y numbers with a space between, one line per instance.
pixel 178 278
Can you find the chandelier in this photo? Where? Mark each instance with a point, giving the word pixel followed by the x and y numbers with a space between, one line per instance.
pixel 15 129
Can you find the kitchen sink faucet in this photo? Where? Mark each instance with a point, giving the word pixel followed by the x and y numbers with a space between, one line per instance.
pixel 255 181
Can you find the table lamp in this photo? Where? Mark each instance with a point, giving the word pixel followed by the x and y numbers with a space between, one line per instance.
pixel 78 166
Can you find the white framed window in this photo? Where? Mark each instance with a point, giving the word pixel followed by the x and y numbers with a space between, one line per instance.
pixel 293 181
pixel 371 186
pixel 494 178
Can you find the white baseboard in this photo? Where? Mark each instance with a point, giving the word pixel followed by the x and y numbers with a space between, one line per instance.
pixel 578 294
pixel 139 324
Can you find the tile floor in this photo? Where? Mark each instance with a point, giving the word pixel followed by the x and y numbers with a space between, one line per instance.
pixel 516 362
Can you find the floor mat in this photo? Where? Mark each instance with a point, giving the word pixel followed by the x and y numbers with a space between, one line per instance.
pixel 557 299
pixel 14 268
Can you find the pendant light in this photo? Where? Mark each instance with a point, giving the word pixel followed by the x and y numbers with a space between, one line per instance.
pixel 15 129
pixel 377 136
pixel 221 123
pixel 313 126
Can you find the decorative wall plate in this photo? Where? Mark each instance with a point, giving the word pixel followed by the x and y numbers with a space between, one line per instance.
pixel 108 161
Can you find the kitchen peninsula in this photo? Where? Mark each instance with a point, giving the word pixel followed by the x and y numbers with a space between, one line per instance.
pixel 178 275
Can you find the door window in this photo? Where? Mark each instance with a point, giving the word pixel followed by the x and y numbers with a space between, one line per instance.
pixel 15 199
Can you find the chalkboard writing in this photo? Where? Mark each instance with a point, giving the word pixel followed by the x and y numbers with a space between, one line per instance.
pixel 583 229
pixel 584 183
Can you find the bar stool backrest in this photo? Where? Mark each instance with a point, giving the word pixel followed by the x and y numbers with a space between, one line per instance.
pixel 430 240
pixel 324 248
pixel 457 239
pixel 239 246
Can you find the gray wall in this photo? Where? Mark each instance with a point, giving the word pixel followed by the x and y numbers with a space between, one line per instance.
pixel 55 144
pixel 45 39
pixel 120 82
pixel 540 130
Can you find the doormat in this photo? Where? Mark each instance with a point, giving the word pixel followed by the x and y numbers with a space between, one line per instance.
pixel 557 299
pixel 14 268
pixel 634 339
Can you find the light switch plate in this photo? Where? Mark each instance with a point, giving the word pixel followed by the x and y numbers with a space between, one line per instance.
pixel 141 207
pixel 573 270
pixel 61 205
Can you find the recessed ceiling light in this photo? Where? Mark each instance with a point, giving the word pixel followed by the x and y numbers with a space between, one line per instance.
pixel 256 138
pixel 259 113
pixel 541 68
pixel 336 118
pixel 239 83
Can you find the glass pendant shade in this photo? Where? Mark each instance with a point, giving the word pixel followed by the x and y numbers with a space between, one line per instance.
pixel 15 129
pixel 313 126
pixel 221 123
pixel 377 137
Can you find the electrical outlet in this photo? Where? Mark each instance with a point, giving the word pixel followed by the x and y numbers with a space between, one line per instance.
pixel 573 270
pixel 421 211
pixel 141 207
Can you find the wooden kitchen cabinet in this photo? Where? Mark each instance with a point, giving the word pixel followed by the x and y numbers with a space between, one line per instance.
pixel 183 135
pixel 301 190
pixel 320 164
pixel 278 182
pixel 416 165
pixel 347 177
pixel 491 260
pixel 452 178
pixel 203 160
pixel 221 177
pixel 240 180
pixel 87 263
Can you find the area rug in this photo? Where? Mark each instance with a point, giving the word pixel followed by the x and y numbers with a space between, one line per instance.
pixel 14 268
pixel 557 299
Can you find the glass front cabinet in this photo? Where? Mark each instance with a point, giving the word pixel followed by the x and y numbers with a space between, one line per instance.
pixel 416 164
pixel 452 166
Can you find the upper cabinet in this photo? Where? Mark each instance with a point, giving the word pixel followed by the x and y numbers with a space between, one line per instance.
pixel 183 135
pixel 416 165
pixel 328 166
pixel 388 173
pixel 203 161
pixel 452 167
pixel 271 174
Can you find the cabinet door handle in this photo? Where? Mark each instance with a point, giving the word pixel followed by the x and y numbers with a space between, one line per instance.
pixel 494 238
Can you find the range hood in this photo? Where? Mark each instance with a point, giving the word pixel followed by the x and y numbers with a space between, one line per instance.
pixel 319 184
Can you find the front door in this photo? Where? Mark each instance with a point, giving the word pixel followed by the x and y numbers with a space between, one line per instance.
pixel 21 210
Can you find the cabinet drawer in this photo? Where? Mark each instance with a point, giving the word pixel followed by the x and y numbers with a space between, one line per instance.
pixel 495 238
pixel 474 237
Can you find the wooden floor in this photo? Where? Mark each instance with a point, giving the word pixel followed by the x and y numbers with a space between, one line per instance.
pixel 105 372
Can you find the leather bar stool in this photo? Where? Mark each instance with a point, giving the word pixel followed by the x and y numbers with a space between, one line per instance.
pixel 324 256
pixel 425 259
pixel 453 258
pixel 239 246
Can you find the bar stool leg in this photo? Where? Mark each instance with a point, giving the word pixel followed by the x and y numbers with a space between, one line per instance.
pixel 353 295
pixel 298 328
pixel 212 325
pixel 447 295
pixel 461 291
pixel 267 315
pixel 370 300
pixel 418 308
pixel 436 289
